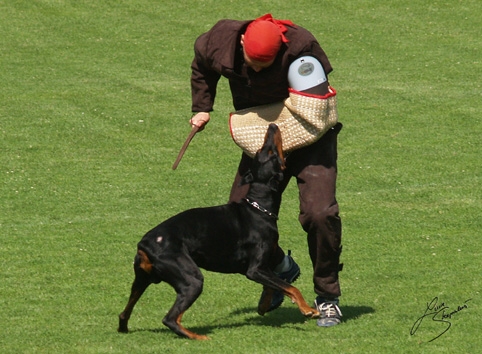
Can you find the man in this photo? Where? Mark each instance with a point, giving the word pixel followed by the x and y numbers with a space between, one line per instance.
pixel 256 57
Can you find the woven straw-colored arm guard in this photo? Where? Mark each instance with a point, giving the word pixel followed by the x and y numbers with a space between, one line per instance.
pixel 302 119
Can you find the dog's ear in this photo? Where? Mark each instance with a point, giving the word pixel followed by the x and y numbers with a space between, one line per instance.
pixel 247 178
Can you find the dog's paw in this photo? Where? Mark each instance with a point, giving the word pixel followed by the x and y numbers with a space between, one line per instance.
pixel 122 330
pixel 311 313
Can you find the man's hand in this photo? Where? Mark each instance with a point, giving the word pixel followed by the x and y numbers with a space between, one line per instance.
pixel 200 120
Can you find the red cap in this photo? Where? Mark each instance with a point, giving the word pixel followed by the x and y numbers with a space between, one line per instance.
pixel 263 38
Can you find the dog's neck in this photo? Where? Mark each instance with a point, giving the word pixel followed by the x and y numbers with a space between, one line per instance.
pixel 260 208
pixel 264 198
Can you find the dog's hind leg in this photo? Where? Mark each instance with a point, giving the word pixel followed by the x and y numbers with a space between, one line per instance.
pixel 188 283
pixel 142 268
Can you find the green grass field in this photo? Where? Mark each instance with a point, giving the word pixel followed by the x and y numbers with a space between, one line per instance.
pixel 94 107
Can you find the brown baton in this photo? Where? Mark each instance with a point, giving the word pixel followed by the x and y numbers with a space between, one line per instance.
pixel 194 130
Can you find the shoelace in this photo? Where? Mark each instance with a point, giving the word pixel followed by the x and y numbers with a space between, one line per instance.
pixel 330 310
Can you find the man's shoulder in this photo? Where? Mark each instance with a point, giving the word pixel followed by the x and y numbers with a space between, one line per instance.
pixel 218 45
pixel 303 42
pixel 300 41
pixel 298 33
pixel 223 31
pixel 229 25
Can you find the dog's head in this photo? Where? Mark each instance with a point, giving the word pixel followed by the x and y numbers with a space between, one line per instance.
pixel 269 161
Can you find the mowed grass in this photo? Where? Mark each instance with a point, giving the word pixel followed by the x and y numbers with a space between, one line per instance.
pixel 95 102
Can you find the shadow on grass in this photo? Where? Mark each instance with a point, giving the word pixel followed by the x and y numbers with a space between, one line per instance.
pixel 278 318
pixel 293 315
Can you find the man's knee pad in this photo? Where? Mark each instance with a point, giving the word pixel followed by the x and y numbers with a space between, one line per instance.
pixel 306 72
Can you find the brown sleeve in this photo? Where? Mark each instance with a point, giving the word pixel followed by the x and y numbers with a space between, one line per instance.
pixel 319 53
pixel 204 79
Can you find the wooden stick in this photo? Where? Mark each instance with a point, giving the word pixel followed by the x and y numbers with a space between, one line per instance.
pixel 193 132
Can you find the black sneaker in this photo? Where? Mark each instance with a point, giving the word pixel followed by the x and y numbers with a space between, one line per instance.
pixel 289 276
pixel 330 312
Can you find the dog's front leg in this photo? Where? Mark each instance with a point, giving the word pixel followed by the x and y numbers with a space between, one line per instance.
pixel 265 302
pixel 295 295
pixel 271 282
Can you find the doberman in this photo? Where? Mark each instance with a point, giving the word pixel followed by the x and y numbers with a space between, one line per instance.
pixel 231 238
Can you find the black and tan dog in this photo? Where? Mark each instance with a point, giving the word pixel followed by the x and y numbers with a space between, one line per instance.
pixel 231 238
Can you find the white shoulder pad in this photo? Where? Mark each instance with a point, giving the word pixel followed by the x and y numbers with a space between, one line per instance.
pixel 306 72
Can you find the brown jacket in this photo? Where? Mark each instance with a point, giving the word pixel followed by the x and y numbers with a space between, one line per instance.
pixel 218 52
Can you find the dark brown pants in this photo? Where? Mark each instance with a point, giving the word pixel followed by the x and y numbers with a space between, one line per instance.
pixel 315 170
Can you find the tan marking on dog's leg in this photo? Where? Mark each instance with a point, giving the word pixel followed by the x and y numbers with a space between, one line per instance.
pixel 265 302
pixel 188 333
pixel 145 264
pixel 295 295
